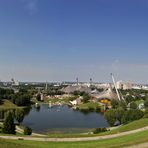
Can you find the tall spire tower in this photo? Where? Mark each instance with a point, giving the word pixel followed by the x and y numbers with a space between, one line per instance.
pixel 46 87
pixel 77 81
pixel 90 81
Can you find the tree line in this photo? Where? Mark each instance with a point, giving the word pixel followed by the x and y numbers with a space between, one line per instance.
pixel 21 98
pixel 122 114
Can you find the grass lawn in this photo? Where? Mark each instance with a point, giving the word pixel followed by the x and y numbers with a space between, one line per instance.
pixel 88 105
pixel 6 104
pixel 139 102
pixel 123 141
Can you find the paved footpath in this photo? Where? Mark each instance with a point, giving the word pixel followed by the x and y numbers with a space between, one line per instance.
pixel 75 139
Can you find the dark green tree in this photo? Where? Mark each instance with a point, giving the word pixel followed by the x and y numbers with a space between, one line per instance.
pixel 110 115
pixel 131 115
pixel 86 98
pixel 38 97
pixel 146 103
pixel 146 113
pixel 115 103
pixel 133 105
pixel 8 125
pixel 129 98
pixel 123 104
pixel 19 115
pixel 119 114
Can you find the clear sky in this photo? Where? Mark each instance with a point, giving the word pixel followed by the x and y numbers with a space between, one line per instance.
pixel 59 40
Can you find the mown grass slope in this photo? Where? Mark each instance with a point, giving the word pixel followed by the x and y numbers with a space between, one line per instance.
pixel 123 141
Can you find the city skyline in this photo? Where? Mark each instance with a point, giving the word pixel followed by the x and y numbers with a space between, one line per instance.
pixel 61 40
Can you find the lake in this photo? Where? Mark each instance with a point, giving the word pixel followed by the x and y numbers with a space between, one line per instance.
pixel 62 119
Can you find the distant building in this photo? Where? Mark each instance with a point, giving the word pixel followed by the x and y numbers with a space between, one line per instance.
pixel 14 82
pixel 106 94
pixel 42 96
pixel 71 89
pixel 124 85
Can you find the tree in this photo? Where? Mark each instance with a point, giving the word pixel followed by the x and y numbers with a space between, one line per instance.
pixel 123 105
pixel 38 97
pixel 146 103
pixel 86 98
pixel 131 115
pixel 21 99
pixel 133 105
pixel 27 131
pixel 110 115
pixel 146 113
pixel 2 112
pixel 119 114
pixel 129 98
pixel 19 115
pixel 8 125
pixel 114 103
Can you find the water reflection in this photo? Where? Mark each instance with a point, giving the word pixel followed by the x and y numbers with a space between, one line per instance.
pixel 19 113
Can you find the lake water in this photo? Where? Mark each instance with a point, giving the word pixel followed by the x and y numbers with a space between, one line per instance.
pixel 62 118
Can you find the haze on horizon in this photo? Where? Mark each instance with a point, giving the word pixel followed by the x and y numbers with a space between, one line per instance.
pixel 59 40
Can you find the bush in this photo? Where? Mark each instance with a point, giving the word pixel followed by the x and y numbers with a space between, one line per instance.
pixel 27 131
pixel 99 130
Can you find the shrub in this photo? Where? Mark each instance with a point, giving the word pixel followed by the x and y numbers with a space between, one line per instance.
pixel 99 130
pixel 27 131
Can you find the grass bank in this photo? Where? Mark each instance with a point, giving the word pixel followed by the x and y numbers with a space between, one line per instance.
pixel 88 106
pixel 128 127
pixel 123 141
pixel 6 104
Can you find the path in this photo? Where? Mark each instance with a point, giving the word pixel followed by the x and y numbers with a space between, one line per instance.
pixel 75 139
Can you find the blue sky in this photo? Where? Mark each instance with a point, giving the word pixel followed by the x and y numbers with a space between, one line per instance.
pixel 59 40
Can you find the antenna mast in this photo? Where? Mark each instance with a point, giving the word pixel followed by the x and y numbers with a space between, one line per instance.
pixel 115 87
